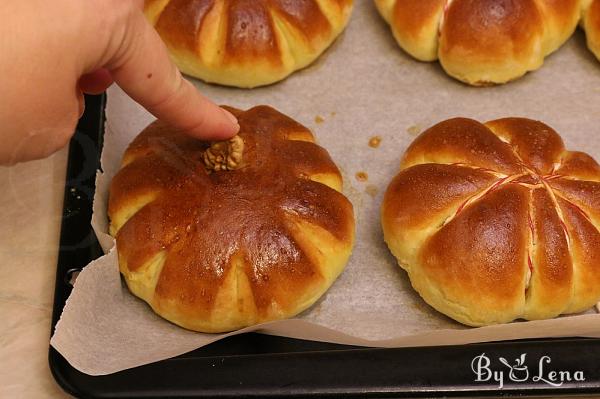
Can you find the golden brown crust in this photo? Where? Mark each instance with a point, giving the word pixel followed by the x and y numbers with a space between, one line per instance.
pixel 560 17
pixel 247 42
pixel 594 14
pixel 584 239
pixel 490 29
pixel 536 145
pixel 482 41
pixel 413 15
pixel 551 286
pixel 249 221
pixel 479 259
pixel 580 165
pixel 442 185
pixel 420 22
pixel 181 20
pixel 591 24
pixel 250 32
pixel 462 140
pixel 508 224
pixel 594 11
pixel 584 194
pixel 306 16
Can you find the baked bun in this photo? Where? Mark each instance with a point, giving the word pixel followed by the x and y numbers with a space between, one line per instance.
pixel 246 43
pixel 218 237
pixel 497 221
pixel 591 24
pixel 481 42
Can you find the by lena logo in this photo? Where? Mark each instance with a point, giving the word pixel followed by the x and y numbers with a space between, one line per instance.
pixel 518 372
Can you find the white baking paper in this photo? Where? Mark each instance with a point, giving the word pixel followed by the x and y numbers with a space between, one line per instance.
pixel 364 86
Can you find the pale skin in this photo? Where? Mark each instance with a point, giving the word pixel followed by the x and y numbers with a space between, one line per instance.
pixel 54 51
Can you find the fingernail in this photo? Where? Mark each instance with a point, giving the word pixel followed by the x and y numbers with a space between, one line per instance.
pixel 230 116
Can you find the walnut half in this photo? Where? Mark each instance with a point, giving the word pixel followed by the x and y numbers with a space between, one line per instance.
pixel 224 155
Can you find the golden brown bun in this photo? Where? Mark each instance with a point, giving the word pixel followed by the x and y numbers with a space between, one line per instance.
pixel 246 43
pixel 218 251
pixel 590 22
pixel 496 222
pixel 482 41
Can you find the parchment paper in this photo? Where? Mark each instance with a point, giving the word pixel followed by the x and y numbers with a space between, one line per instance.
pixel 364 86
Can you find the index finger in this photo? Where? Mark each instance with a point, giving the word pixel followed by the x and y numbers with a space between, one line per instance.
pixel 140 64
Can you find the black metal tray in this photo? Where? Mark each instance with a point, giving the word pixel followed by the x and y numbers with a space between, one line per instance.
pixel 254 365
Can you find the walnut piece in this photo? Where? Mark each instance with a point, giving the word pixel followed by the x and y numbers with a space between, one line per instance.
pixel 224 155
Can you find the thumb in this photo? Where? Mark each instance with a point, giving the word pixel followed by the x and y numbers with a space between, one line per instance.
pixel 139 63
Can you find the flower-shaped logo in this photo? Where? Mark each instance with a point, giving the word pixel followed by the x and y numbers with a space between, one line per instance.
pixel 518 371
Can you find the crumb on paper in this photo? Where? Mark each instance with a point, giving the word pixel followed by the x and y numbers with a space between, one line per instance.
pixel 374 142
pixel 414 130
pixel 362 176
pixel 372 190
pixel 319 119
pixel 333 113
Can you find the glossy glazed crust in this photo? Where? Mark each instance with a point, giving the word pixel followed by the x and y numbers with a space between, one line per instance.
pixel 247 43
pixel 591 24
pixel 219 251
pixel 510 226
pixel 419 22
pixel 482 41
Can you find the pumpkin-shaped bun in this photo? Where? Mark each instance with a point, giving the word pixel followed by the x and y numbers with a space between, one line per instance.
pixel 591 24
pixel 482 42
pixel 247 43
pixel 497 221
pixel 216 237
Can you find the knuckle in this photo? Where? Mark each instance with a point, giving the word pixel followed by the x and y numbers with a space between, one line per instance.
pixel 171 94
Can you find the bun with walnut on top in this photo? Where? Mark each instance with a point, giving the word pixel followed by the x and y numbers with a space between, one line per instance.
pixel 217 237
pixel 509 227
pixel 247 43
pixel 482 42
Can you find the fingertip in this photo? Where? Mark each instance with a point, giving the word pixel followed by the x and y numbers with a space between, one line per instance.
pixel 233 130
pixel 221 129
pixel 230 116
pixel 234 126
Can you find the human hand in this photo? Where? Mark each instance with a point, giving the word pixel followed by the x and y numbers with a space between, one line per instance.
pixel 54 51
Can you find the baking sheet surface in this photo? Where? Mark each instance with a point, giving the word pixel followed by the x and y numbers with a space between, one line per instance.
pixel 363 87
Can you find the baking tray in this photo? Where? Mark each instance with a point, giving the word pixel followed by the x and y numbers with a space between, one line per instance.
pixel 255 365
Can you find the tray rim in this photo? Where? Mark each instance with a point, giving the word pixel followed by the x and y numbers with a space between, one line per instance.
pixel 84 155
